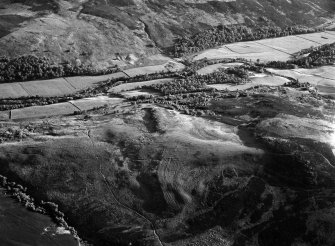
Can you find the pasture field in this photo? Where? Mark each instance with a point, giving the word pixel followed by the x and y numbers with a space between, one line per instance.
pixel 212 68
pixel 95 102
pixel 4 115
pixel 83 82
pixel 255 81
pixel 248 47
pixel 12 90
pixel 320 38
pixel 215 54
pixel 135 85
pixel 43 111
pixel 52 87
pixel 270 55
pixel 275 49
pixel 166 67
pixel 289 44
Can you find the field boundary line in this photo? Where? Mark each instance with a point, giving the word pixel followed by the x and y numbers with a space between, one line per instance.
pixel 273 48
pixel 232 50
pixel 75 106
pixel 25 89
pixel 125 74
pixel 71 85
pixel 309 40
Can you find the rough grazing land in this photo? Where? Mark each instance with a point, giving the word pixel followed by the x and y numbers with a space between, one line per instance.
pixel 136 175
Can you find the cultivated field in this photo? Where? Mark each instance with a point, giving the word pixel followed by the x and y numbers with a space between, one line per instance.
pixel 279 49
pixel 320 38
pixel 52 87
pixel 83 82
pixel 289 44
pixel 95 102
pixel 43 111
pixel 12 90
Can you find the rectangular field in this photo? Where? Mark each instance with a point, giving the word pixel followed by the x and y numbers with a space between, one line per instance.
pixel 83 82
pixel 270 55
pixel 289 44
pixel 320 37
pixel 46 88
pixel 95 102
pixel 4 115
pixel 215 54
pixel 12 90
pixel 248 47
pixel 43 111
pixel 171 66
pixel 145 70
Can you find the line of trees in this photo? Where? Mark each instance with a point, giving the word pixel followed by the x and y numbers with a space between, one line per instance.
pixel 30 67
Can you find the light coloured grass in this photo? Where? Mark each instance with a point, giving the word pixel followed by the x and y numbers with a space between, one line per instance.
pixel 275 49
pixel 83 82
pixel 52 87
pixel 320 38
pixel 12 90
pixel 289 44
pixel 43 111
pixel 248 47
pixel 134 93
pixel 214 54
pixel 166 67
pixel 4 115
pixel 271 55
pixel 255 81
pixel 95 102
pixel 135 85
